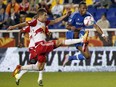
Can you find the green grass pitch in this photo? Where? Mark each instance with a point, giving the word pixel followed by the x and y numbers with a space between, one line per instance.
pixel 62 79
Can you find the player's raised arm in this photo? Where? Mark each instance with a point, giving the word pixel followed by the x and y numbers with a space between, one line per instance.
pixel 60 18
pixel 17 25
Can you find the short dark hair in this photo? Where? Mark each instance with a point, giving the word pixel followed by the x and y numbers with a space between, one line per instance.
pixel 41 11
pixel 82 3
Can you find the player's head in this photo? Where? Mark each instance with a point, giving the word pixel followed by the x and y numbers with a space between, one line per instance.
pixel 82 8
pixel 42 15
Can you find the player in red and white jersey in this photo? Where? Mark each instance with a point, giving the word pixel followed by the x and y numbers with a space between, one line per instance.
pixel 39 28
pixel 32 51
pixel 31 46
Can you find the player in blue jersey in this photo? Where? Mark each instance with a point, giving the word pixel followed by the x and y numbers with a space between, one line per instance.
pixel 76 26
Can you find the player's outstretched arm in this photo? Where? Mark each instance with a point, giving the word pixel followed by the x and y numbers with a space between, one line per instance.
pixel 19 38
pixel 17 25
pixel 60 18
pixel 73 28
pixel 99 30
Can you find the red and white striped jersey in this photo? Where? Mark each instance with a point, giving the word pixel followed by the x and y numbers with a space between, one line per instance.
pixel 27 30
pixel 38 30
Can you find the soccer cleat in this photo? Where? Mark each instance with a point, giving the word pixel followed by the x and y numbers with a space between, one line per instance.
pixel 17 80
pixel 17 69
pixel 65 60
pixel 40 83
pixel 85 41
pixel 85 37
pixel 85 46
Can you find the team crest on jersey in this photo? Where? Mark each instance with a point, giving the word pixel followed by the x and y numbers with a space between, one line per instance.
pixel 70 20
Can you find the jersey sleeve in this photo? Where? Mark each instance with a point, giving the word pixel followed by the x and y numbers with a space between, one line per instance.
pixel 46 30
pixel 47 22
pixel 26 29
pixel 32 22
pixel 71 19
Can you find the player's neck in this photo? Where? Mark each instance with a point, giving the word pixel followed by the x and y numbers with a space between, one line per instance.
pixel 39 19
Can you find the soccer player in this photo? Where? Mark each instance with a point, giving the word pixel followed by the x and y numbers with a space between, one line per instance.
pixel 42 47
pixel 75 25
pixel 33 54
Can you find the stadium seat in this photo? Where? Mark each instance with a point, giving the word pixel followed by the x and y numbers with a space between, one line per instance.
pixel 112 22
pixel 92 10
pixel 99 13
pixel 111 13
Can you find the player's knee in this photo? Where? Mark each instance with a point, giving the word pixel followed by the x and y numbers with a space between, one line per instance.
pixel 41 68
pixel 32 61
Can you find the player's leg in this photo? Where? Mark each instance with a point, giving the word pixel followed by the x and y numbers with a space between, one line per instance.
pixel 83 39
pixel 40 78
pixel 22 72
pixel 41 64
pixel 79 55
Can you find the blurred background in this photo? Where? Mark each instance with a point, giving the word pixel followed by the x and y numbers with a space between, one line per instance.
pixel 102 62
pixel 13 12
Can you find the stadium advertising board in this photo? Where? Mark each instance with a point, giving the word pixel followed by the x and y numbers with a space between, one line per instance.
pixel 103 59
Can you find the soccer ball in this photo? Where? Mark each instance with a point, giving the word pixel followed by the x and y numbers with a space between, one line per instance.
pixel 88 21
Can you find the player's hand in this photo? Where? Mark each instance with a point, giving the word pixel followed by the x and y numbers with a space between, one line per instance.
pixel 105 38
pixel 10 28
pixel 73 28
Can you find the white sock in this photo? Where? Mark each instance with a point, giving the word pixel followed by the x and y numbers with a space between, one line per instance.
pixel 29 67
pixel 40 75
pixel 72 41
pixel 21 73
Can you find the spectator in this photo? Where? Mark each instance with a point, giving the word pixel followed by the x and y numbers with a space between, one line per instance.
pixel 13 4
pixel 69 7
pixel 76 7
pixel 57 10
pixel 49 2
pixel 24 6
pixel 33 7
pixel 2 5
pixel 23 18
pixel 43 4
pixel 54 2
pixel 96 3
pixel 3 19
pixel 113 3
pixel 5 2
pixel 13 18
pixel 103 22
pixel 89 2
pixel 105 3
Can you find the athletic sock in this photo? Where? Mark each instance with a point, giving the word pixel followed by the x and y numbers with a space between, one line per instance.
pixel 21 73
pixel 29 67
pixel 72 41
pixel 40 75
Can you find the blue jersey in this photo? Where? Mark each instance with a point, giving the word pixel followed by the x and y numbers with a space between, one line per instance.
pixel 77 20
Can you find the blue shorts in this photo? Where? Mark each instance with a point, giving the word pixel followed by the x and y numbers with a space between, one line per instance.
pixel 70 35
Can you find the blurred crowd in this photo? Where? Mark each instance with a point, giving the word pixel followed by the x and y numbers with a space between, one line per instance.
pixel 17 11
